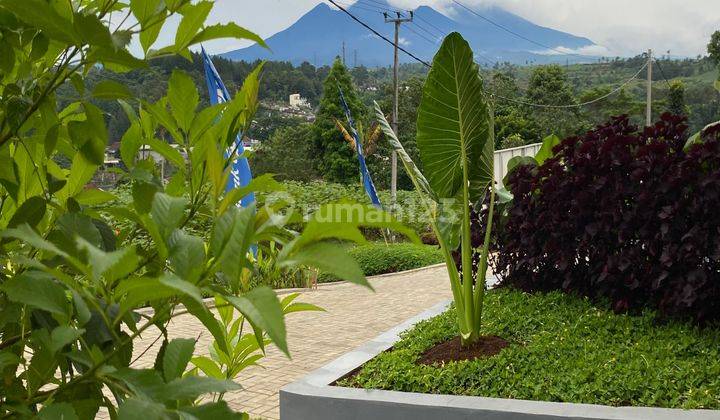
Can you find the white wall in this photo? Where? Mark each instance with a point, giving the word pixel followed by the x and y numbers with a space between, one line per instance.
pixel 502 157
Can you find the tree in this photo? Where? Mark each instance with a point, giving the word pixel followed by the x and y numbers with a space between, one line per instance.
pixel 713 47
pixel 548 86
pixel 337 162
pixel 676 98
pixel 289 153
pixel 513 140
pixel 620 103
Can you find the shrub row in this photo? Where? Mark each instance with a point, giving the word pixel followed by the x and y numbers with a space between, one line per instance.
pixel 306 197
pixel 380 258
pixel 622 214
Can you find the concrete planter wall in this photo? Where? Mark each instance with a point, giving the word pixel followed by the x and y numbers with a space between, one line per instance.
pixel 313 398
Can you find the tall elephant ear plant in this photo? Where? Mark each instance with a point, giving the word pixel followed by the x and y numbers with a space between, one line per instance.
pixel 456 142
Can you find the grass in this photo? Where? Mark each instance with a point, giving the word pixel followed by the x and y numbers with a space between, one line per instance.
pixel 563 349
pixel 381 258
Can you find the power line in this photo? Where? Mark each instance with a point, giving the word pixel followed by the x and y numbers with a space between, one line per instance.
pixel 444 34
pixel 435 42
pixel 383 37
pixel 612 92
pixel 382 8
pixel 518 101
pixel 662 73
pixel 360 6
pixel 422 28
pixel 506 29
pixel 430 24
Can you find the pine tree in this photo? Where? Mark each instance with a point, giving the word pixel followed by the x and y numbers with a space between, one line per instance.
pixel 336 161
pixel 676 98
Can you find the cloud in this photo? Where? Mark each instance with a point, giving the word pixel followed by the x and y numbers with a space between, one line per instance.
pixel 593 50
pixel 622 27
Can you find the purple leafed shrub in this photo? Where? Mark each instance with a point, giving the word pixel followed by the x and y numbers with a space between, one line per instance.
pixel 623 215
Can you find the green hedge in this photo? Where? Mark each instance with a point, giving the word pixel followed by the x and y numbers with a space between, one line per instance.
pixel 563 348
pixel 306 197
pixel 379 258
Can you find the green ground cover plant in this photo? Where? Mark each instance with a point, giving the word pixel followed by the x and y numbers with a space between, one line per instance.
pixel 563 348
pixel 381 258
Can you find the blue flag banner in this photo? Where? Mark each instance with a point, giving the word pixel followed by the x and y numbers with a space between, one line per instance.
pixel 367 180
pixel 240 174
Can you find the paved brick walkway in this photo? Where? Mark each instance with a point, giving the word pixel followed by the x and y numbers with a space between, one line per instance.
pixel 354 315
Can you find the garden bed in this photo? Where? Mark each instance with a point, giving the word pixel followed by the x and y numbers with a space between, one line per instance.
pixel 562 348
pixel 566 358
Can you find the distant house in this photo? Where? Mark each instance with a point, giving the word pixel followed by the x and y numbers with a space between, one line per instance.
pixel 297 101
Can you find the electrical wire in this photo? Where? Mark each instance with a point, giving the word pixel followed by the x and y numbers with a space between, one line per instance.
pixel 598 99
pixel 382 8
pixel 430 24
pixel 435 42
pixel 662 73
pixel 518 101
pixel 422 28
pixel 383 37
pixel 508 30
pixel 382 5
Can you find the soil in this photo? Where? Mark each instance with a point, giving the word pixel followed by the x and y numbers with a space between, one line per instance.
pixel 452 351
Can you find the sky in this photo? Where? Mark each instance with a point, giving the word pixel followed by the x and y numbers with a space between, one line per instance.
pixel 620 27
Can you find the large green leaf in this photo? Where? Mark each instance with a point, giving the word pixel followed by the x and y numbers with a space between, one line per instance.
pixel 176 357
pixel 262 183
pixel 41 15
pixel 138 408
pixel 697 137
pixel 130 143
pixel 515 162
pixel 39 290
pixel 226 30
pixel 55 411
pixel 453 126
pixel 546 150
pixel 113 264
pixel 201 312
pixel 207 366
pixel 262 308
pixel 110 89
pixel 231 239
pixel 187 255
pixel 184 98
pixel 31 211
pixel 81 172
pixel 194 16
pixel 167 212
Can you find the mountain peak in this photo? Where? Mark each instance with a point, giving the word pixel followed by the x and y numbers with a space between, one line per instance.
pixel 318 36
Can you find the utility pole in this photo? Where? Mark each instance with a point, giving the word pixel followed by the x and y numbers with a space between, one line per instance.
pixel 343 53
pixel 648 105
pixel 397 20
pixel 354 58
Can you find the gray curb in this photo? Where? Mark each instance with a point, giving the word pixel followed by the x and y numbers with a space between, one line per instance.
pixel 313 398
